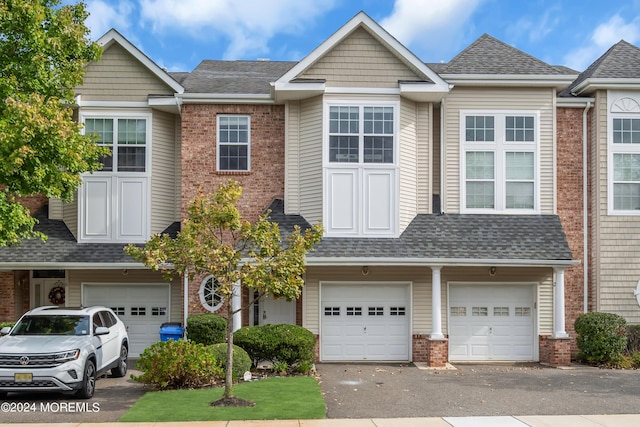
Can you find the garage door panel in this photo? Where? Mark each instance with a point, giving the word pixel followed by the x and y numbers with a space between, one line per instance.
pixel 374 324
pixel 491 322
pixel 142 308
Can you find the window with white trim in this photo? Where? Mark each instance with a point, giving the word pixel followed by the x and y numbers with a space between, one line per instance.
pixel 126 139
pixel 209 292
pixel 499 161
pixel 234 146
pixel 625 158
pixel 114 202
pixel 361 168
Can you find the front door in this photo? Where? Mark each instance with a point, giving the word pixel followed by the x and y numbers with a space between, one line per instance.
pixel 48 291
pixel 271 311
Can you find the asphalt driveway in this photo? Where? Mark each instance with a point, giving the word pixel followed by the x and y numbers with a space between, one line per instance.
pixel 394 390
pixel 112 398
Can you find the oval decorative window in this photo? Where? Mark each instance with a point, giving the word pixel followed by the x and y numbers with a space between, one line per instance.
pixel 210 297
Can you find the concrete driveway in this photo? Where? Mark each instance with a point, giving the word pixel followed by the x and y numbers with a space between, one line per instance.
pixel 395 390
pixel 112 398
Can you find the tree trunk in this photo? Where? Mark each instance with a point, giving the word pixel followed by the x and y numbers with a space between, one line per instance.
pixel 228 382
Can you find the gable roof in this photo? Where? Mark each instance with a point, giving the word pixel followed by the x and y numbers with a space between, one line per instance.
pixel 289 83
pixel 113 36
pixel 618 66
pixel 515 240
pixel 488 58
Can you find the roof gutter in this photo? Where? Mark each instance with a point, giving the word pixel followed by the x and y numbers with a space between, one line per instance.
pixel 71 266
pixel 428 262
pixel 225 98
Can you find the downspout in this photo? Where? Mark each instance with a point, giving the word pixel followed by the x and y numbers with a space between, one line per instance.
pixel 185 302
pixel 585 206
pixel 442 118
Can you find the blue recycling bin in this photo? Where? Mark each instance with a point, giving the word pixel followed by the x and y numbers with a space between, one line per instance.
pixel 171 331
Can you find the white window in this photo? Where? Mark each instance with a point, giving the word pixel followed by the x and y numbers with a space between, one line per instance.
pixel 210 296
pixel 499 161
pixel 361 189
pixel 114 202
pixel 126 138
pixel 625 165
pixel 234 147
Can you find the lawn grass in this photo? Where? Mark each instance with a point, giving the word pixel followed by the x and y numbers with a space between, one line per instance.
pixel 276 398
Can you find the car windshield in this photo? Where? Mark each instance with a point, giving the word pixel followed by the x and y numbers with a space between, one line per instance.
pixel 52 325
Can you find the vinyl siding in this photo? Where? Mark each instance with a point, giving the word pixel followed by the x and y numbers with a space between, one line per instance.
pixel 70 215
pixel 421 296
pixel 118 76
pixel 310 159
pixel 113 277
pixel 618 269
pixel 408 161
pixel 292 158
pixel 499 99
pixel 55 209
pixel 164 191
pixel 435 157
pixel 360 61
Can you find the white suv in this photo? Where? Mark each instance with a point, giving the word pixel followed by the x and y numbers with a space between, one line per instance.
pixel 62 349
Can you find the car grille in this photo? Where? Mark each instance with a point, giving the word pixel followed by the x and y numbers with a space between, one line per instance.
pixel 34 384
pixel 34 361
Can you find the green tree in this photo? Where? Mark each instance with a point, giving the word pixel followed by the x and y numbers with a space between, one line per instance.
pixel 44 48
pixel 216 240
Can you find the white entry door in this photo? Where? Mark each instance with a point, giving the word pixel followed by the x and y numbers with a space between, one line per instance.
pixel 491 323
pixel 142 308
pixel 276 311
pixel 365 322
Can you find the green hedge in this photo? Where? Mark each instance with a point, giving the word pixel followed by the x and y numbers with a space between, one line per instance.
pixel 241 360
pixel 207 329
pixel 289 344
pixel 178 364
pixel 602 337
pixel 633 339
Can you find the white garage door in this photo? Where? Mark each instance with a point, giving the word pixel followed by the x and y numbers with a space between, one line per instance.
pixel 365 322
pixel 491 323
pixel 143 308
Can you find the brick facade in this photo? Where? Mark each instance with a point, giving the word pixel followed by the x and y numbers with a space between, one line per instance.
pixel 8 292
pixel 262 184
pixel 570 210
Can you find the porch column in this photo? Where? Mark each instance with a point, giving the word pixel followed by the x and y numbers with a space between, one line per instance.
pixel 436 304
pixel 558 305
pixel 236 302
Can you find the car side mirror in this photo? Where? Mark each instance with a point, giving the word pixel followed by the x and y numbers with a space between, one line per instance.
pixel 101 330
pixel 5 330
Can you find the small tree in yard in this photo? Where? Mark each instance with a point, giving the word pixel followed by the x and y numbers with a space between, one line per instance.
pixel 216 240
pixel 44 48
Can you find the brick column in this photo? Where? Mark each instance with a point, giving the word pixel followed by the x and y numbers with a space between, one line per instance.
pixel 555 352
pixel 437 352
pixel 7 290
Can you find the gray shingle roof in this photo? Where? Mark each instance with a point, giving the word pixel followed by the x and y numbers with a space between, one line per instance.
pixel 488 55
pixel 239 77
pixel 622 60
pixel 62 247
pixel 450 237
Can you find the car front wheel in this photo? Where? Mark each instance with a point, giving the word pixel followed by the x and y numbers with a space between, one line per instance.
pixel 121 370
pixel 88 381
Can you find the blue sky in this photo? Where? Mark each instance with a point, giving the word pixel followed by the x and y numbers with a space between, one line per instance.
pixel 178 34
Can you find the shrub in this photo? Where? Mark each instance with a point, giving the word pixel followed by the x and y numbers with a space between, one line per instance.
pixel 633 339
pixel 178 364
pixel 207 329
pixel 290 344
pixel 5 324
pixel 601 337
pixel 241 360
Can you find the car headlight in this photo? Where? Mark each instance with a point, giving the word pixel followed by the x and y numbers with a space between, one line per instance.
pixel 67 356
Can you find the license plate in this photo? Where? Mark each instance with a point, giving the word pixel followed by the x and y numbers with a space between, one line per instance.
pixel 23 378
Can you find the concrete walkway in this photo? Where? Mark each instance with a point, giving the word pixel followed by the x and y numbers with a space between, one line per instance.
pixel 620 420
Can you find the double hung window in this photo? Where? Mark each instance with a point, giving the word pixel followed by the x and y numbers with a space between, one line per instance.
pixel 233 143
pixel 126 139
pixel 499 161
pixel 361 134
pixel 625 148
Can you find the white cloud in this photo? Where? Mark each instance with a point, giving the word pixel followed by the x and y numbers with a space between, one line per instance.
pixel 604 36
pixel 248 25
pixel 103 16
pixel 430 26
pixel 535 28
